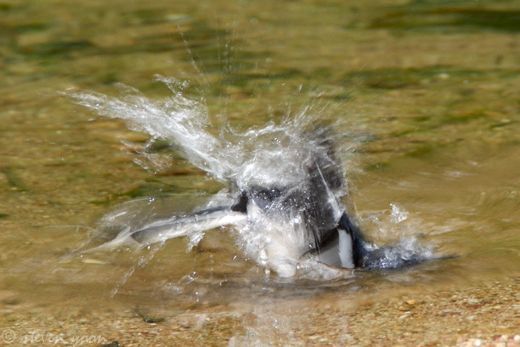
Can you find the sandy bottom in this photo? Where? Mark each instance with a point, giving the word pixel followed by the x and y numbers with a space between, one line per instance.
pixel 487 314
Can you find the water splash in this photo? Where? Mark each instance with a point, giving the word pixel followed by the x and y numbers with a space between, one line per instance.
pixel 182 121
pixel 291 159
pixel 271 154
pixel 398 214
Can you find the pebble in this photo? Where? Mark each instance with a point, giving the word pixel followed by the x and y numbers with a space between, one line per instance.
pixel 8 297
pixel 185 324
pixel 405 315
pixel 473 301
pixel 111 344
pixel 93 261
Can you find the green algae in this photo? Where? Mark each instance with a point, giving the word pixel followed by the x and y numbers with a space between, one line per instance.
pixel 398 78
pixel 423 151
pixel 13 179
pixel 5 7
pixel 54 51
pixel 245 79
pixel 450 19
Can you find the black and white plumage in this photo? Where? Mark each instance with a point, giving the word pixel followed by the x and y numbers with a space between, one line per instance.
pixel 312 206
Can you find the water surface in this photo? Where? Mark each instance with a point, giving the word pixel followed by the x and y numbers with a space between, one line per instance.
pixel 431 89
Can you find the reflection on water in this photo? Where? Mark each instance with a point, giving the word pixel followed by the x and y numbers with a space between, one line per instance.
pixel 432 88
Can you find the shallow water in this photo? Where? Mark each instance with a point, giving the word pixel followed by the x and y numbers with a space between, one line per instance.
pixel 431 90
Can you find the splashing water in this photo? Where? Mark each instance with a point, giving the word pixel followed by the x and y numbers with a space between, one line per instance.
pixel 398 214
pixel 264 156
pixel 282 164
